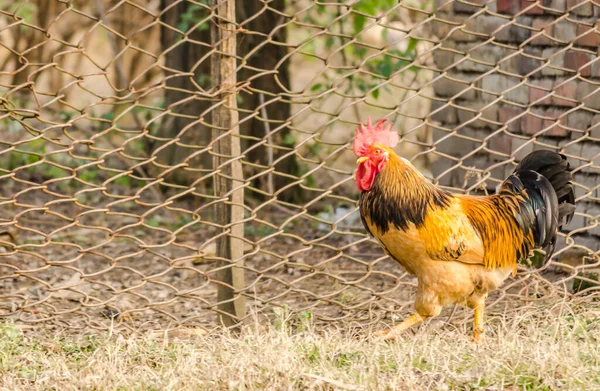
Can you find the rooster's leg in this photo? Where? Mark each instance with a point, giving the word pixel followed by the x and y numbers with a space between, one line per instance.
pixel 405 325
pixel 478 323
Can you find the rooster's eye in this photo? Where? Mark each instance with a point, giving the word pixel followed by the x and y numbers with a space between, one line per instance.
pixel 377 151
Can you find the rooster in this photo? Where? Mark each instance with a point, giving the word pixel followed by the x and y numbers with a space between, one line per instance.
pixel 460 247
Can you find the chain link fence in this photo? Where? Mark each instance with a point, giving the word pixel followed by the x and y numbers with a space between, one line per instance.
pixel 188 163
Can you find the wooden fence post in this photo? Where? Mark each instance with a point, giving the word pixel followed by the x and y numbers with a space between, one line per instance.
pixel 228 183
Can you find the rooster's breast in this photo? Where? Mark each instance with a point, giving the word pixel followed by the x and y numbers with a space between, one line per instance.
pixel 404 246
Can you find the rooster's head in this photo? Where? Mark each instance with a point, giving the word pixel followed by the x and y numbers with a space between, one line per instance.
pixel 372 145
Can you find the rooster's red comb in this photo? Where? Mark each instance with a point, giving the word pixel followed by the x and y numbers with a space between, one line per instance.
pixel 368 135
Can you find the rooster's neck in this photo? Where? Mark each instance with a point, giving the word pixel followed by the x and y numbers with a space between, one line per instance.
pixel 400 195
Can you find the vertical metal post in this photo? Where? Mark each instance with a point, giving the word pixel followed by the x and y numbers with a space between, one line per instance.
pixel 228 183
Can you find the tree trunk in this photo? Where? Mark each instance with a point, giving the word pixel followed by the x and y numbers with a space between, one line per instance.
pixel 264 60
pixel 183 59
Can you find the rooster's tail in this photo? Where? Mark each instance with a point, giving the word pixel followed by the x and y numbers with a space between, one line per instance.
pixel 545 178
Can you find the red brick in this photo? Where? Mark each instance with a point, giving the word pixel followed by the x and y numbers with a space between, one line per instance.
pixel 544 25
pixel 521 148
pixel 554 123
pixel 534 10
pixel 462 7
pixel 447 88
pixel 595 130
pixel 556 5
pixel 589 94
pixel 567 90
pixel 446 113
pixel 508 6
pixel 591 37
pixel 527 64
pixel 557 60
pixel 490 24
pixel 580 120
pixel 539 93
pixel 565 31
pixel 596 67
pixel 501 143
pixel 530 124
pixel 580 7
pixel 576 61
pixel 506 113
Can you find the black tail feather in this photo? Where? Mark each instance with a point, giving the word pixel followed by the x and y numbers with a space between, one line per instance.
pixel 546 179
pixel 555 168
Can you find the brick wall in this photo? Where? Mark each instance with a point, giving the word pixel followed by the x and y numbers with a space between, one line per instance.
pixel 515 76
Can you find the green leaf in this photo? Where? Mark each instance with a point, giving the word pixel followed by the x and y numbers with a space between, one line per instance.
pixel 193 14
pixel 28 12
pixel 289 140
pixel 385 69
pixel 55 172
pixel 183 26
pixel 310 46
pixel 316 87
pixel 153 221
pixel 401 64
pixel 65 115
pixel 375 94
pixel 329 42
pixel 123 181
pixel 203 79
pixel 359 23
pixel 412 45
pixel 367 6
pixel 110 116
pixel 361 85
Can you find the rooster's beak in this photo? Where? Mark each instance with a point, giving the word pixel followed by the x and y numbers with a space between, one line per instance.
pixel 361 159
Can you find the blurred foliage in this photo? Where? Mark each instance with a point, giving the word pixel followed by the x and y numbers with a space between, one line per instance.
pixel 195 18
pixel 193 15
pixel 375 69
pixel 36 158
pixel 24 10
pixel 586 280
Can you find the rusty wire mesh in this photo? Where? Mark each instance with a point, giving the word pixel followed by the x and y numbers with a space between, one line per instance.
pixel 108 148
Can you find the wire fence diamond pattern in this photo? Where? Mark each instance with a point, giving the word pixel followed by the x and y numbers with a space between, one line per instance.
pixel 188 163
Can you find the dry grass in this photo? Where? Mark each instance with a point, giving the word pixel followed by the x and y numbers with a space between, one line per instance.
pixel 551 349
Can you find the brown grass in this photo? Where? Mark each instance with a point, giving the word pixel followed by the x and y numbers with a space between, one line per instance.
pixel 554 348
